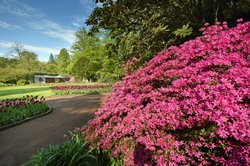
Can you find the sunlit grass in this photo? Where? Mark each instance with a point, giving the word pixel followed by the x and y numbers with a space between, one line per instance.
pixel 20 91
pixel 35 90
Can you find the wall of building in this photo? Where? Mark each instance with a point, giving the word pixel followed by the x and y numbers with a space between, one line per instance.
pixel 39 80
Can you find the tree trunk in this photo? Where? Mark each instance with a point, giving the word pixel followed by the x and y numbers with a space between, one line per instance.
pixel 234 9
pixel 200 11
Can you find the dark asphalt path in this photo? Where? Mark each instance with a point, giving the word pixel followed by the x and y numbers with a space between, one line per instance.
pixel 17 144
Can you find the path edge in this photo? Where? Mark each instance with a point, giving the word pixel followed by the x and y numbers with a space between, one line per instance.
pixel 26 120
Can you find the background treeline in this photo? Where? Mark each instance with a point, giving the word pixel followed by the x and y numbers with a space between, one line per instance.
pixel 89 61
pixel 20 65
pixel 122 30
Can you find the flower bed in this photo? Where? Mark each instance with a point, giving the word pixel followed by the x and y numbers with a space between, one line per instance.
pixel 80 89
pixel 14 110
pixel 190 105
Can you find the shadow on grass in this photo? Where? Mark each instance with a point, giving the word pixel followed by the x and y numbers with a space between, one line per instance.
pixel 20 91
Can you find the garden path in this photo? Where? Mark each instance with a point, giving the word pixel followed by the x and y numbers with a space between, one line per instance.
pixel 20 142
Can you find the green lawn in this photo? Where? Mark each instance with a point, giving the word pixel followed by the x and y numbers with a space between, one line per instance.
pixel 40 90
pixel 20 91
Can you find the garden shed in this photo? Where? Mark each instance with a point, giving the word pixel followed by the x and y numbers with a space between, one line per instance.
pixel 42 79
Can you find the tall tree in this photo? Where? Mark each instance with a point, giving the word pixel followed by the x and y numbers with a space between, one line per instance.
pixel 63 61
pixel 51 59
pixel 28 64
pixel 90 58
pixel 16 50
pixel 21 67
pixel 28 56
pixel 87 56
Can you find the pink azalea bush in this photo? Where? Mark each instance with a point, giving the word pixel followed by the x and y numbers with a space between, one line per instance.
pixel 190 105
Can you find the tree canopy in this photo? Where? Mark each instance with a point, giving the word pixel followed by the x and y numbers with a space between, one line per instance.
pixel 90 59
pixel 144 27
pixel 63 61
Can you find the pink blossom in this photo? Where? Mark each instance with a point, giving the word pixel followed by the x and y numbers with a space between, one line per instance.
pixel 189 105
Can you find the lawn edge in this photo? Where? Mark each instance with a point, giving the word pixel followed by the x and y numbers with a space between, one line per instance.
pixel 26 120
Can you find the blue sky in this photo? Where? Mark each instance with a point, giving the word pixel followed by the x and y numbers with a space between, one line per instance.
pixel 42 26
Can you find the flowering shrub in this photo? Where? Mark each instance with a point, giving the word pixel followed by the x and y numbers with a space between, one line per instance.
pixel 130 66
pixel 190 105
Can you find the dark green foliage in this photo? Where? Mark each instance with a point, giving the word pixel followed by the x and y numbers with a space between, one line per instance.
pixel 144 27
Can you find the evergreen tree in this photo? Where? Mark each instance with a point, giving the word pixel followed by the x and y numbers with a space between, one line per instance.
pixel 52 59
pixel 63 61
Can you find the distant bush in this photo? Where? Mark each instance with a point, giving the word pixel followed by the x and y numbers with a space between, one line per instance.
pixel 5 84
pixel 22 82
pixel 80 89
pixel 76 91
pixel 190 105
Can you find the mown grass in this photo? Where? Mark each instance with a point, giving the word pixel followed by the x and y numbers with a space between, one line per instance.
pixel 20 91
pixel 11 92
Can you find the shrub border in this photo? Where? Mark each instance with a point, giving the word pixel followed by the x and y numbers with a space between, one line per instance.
pixel 26 120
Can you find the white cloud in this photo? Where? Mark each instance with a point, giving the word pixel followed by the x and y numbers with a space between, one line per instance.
pixel 9 26
pixel 84 2
pixel 55 30
pixel 5 44
pixel 89 5
pixel 78 21
pixel 37 21
pixel 2 54
pixel 17 8
pixel 35 49
pixel 41 49
pixel 76 24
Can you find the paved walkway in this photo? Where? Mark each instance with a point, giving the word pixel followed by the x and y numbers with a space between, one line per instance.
pixel 17 144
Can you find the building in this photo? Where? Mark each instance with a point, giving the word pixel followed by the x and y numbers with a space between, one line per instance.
pixel 42 79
